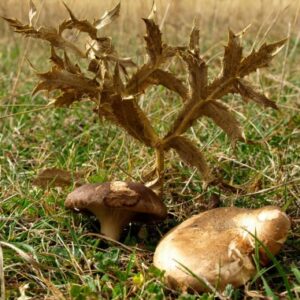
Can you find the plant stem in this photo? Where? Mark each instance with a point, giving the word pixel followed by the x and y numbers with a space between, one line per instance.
pixel 160 165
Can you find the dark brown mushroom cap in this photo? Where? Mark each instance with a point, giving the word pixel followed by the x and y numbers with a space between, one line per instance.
pixel 121 195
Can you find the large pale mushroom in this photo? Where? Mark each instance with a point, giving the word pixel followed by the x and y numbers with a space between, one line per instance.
pixel 218 246
pixel 116 204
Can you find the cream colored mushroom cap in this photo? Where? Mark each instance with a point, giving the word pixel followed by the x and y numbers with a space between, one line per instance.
pixel 217 247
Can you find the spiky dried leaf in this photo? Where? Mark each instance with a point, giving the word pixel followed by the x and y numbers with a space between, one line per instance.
pixel 232 55
pixel 49 34
pixel 261 58
pixel 130 116
pixel 170 81
pixel 55 177
pixel 225 119
pixel 67 98
pixel 191 155
pixel 153 40
pixel 194 40
pixel 81 25
pixel 247 91
pixel 61 79
pixel 197 75
pixel 108 17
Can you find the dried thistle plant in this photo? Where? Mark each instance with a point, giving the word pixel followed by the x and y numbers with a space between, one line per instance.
pixel 115 90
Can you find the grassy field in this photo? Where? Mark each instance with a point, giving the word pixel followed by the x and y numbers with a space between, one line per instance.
pixel 47 252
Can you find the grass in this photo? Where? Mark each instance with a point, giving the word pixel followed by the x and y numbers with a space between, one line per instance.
pixel 54 254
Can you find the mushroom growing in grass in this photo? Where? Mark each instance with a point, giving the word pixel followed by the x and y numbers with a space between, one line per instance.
pixel 216 247
pixel 116 204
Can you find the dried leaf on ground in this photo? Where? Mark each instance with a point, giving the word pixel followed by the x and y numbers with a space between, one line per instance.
pixel 54 177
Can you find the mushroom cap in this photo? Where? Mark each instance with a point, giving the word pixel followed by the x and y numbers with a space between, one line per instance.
pixel 130 196
pixel 216 246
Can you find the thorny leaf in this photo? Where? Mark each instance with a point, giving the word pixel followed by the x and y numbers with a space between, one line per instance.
pixel 153 41
pixel 55 177
pixel 81 25
pixel 60 79
pixel 191 155
pixel 170 81
pixel 197 75
pixel 261 58
pixel 32 12
pixel 108 17
pixel 232 55
pixel 221 116
pixel 129 115
pixel 49 34
pixel 67 98
pixel 248 92
pixel 194 39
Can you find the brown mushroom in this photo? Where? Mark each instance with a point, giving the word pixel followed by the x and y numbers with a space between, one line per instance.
pixel 217 246
pixel 117 203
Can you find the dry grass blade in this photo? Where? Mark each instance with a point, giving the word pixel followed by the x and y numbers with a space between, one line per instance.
pixel 28 258
pixel 56 177
pixel 261 58
pixel 2 278
pixel 32 12
pixel 248 92
pixel 191 155
pixel 232 55
pixel 108 17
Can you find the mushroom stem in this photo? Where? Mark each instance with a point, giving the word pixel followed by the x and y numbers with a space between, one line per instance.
pixel 110 230
pixel 113 221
